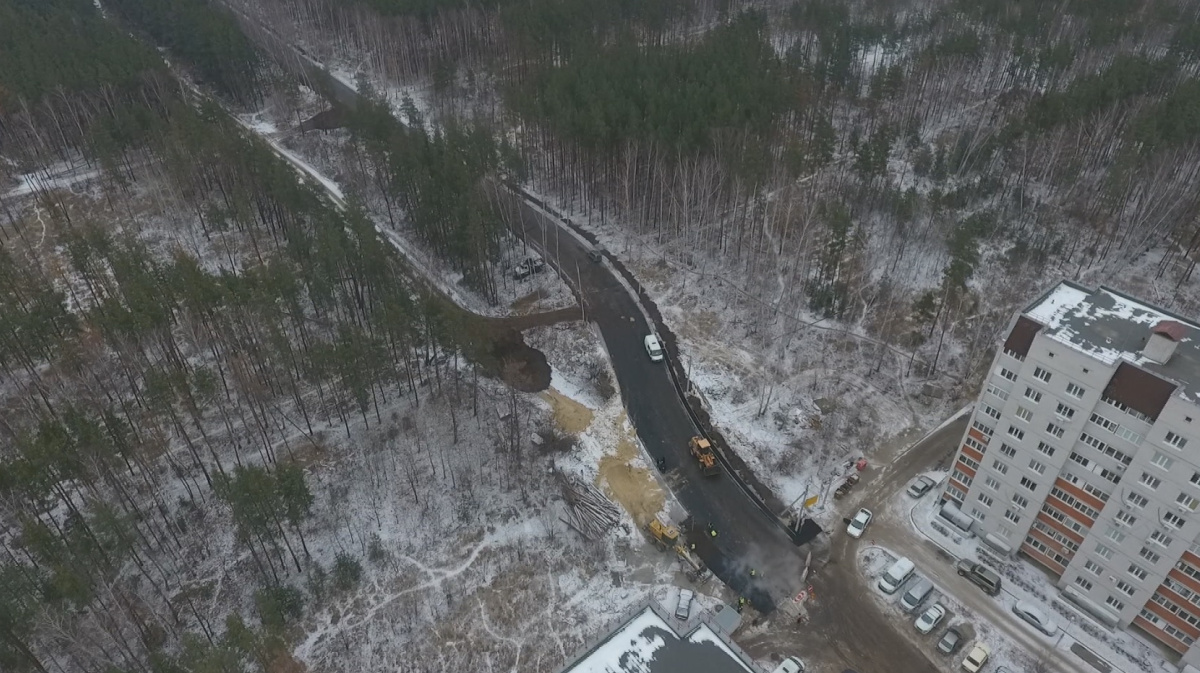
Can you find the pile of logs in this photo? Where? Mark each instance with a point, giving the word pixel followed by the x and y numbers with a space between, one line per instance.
pixel 588 511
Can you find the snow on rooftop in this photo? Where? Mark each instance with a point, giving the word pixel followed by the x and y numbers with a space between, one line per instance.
pixel 648 644
pixel 1057 302
pixel 629 650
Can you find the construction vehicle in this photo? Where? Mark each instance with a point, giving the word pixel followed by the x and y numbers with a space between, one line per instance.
pixel 664 534
pixel 703 452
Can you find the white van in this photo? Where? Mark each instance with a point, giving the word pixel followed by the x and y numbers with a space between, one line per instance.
pixel 894 577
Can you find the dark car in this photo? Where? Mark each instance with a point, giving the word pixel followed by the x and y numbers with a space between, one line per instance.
pixel 951 641
pixel 536 265
pixel 596 254
pixel 522 271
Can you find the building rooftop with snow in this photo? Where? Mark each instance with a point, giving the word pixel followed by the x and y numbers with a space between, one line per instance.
pixel 651 641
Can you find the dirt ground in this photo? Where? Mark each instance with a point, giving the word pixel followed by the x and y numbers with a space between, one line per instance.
pixel 569 415
pixel 633 487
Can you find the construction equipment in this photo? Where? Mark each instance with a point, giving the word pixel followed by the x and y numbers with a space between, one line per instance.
pixel 703 452
pixel 664 534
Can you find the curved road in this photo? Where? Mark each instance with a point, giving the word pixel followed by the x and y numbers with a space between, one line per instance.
pixel 748 536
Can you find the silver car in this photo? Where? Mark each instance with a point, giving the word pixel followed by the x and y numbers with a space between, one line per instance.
pixel 920 486
pixel 1036 617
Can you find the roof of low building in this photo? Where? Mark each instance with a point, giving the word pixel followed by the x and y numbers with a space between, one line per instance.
pixel 647 642
pixel 1112 327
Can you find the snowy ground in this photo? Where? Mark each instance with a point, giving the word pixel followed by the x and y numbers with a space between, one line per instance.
pixel 1024 581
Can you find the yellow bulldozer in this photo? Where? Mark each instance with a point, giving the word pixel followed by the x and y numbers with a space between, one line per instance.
pixel 667 537
pixel 704 454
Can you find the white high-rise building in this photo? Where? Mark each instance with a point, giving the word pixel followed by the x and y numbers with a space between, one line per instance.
pixel 1083 454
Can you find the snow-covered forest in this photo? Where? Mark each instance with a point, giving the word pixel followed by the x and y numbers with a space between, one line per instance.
pixel 241 428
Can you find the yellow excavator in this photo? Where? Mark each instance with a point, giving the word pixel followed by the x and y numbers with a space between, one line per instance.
pixel 703 452
pixel 667 537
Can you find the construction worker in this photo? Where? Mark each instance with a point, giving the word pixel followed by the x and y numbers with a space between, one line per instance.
pixel 693 546
pixel 712 531
pixel 741 603
pixel 753 572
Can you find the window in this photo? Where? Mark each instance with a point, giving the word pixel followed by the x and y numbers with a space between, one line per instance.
pixel 1114 603
pixel 966 460
pixel 1104 552
pixel 1163 461
pixel 1024 414
pixel 1007 450
pixel 1129 435
pixel 1175 440
pixel 961 477
pixel 982 428
pixel 1132 412
pixel 999 466
pixel 997 391
pixel 1195 479
pixel 1111 476
pixel 1020 501
pixel 1075 391
pixel 978 514
pixel 991 411
pixel 1080 459
pixel 1150 556
pixel 1016 432
pixel 1105 448
pixel 1104 423
pixel 1125 587
pixel 1150 481
pixel 1031 394
pixel 1063 519
pixel 1029 484
pixel 1188 502
pixel 1008 374
pixel 1064 412
pixel 1004 531
pixel 1074 502
pixel 976 444
pixel 1092 567
pixel 1055 430
pixel 1173 520
pixel 1115 535
pixel 1037 467
pixel 992 483
pixel 1083 582
pixel 1012 516
pixel 1137 500
pixel 1125 518
pixel 1041 375
pixel 985 499
pixel 1150 617
pixel 1046 448
pixel 1160 538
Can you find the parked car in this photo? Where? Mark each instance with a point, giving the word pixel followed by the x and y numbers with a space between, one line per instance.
pixel 858 525
pixel 789 665
pixel 654 348
pixel 917 593
pixel 976 658
pixel 982 576
pixel 684 607
pixel 950 642
pixel 1036 617
pixel 536 264
pixel 522 271
pixel 920 486
pixel 596 253
pixel 929 619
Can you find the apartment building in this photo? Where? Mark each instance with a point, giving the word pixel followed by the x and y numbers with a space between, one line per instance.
pixel 1083 455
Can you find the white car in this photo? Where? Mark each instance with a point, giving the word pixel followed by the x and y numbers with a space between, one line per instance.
pixel 654 348
pixel 1036 617
pixel 789 665
pixel 684 607
pixel 929 619
pixel 858 525
pixel 976 658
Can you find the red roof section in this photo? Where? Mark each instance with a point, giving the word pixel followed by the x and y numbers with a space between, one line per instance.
pixel 1170 329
